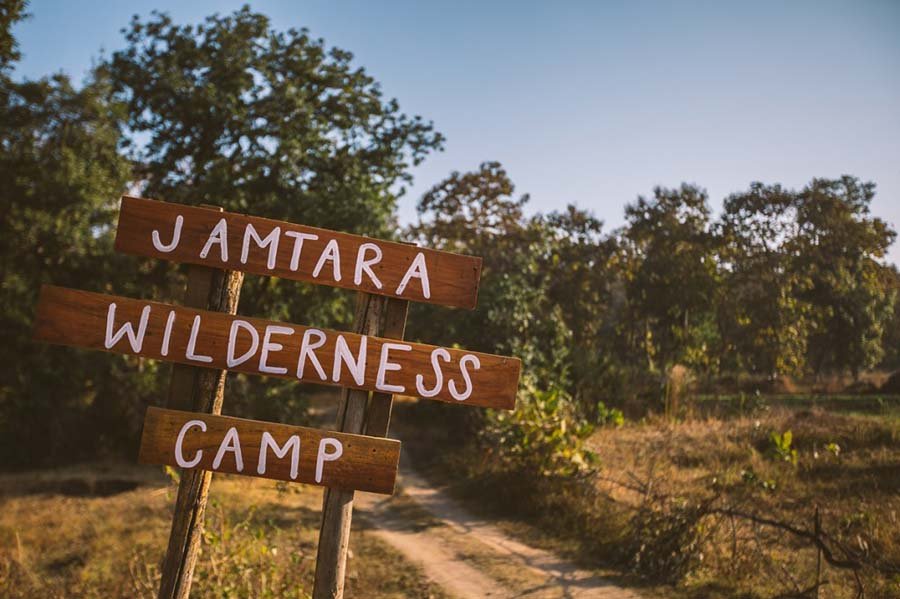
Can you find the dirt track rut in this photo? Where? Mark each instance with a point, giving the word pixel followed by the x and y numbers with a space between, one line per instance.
pixel 470 557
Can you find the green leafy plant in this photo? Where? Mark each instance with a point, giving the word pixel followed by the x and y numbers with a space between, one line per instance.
pixel 782 449
pixel 609 416
pixel 750 477
pixel 542 436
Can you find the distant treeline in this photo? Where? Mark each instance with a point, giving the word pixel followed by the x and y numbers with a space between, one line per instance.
pixel 233 113
pixel 782 282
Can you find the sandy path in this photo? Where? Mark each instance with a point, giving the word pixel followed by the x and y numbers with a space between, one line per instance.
pixel 469 557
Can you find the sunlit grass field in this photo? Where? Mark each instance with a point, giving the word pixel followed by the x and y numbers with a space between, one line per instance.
pixel 101 530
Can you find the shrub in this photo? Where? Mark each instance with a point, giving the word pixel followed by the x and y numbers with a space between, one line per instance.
pixel 542 436
pixel 610 416
pixel 781 447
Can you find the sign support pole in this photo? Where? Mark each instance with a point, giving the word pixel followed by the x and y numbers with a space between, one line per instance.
pixel 198 390
pixel 376 316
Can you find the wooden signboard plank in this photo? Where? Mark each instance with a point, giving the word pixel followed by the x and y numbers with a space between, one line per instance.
pixel 269 450
pixel 256 346
pixel 267 247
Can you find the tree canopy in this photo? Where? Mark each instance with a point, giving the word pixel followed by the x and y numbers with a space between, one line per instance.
pixel 234 113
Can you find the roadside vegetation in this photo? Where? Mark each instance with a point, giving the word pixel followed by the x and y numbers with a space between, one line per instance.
pixel 695 383
pixel 708 506
pixel 99 531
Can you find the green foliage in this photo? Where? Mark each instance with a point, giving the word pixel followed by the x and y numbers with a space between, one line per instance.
pixel 672 276
pixel 781 447
pixel 547 282
pixel 11 11
pixel 274 123
pixel 60 175
pixel 609 416
pixel 840 247
pixel 751 478
pixel 541 437
pixel 229 112
pixel 766 324
pixel 233 113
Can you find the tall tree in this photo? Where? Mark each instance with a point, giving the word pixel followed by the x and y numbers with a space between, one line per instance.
pixel 672 274
pixel 233 113
pixel 60 173
pixel 840 245
pixel 546 280
pixel 765 322
pixel 11 12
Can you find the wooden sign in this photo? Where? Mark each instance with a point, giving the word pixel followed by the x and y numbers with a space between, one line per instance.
pixel 267 247
pixel 269 450
pixel 257 346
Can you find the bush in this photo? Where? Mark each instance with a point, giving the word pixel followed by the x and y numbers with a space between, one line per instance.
pixel 610 416
pixel 542 436
pixel 781 447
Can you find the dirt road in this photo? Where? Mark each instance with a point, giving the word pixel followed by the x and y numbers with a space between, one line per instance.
pixel 469 557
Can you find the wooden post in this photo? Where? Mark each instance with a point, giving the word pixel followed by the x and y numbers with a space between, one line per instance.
pixel 817 530
pixel 198 390
pixel 374 316
pixel 378 417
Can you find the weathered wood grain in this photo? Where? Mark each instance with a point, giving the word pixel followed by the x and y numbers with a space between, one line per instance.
pixel 199 390
pixel 337 504
pixel 79 318
pixel 453 278
pixel 378 416
pixel 365 464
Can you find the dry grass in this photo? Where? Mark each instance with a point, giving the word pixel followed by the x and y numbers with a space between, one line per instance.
pixel 651 510
pixel 848 466
pixel 101 532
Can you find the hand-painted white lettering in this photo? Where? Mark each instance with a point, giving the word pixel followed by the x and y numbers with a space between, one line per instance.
pixel 365 265
pixel 331 252
pixel 270 346
pixel 476 364
pixel 176 237
pixel 298 246
pixel 443 354
pixel 218 235
pixel 419 270
pixel 167 334
pixel 384 366
pixel 230 442
pixel 191 352
pixel 292 445
pixel 324 456
pixel 342 354
pixel 236 325
pixel 179 443
pixel 270 240
pixel 307 350
pixel 136 340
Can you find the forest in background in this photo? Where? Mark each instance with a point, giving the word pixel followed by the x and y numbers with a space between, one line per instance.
pixel 230 112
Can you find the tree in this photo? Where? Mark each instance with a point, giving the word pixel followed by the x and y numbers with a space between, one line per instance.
pixel 11 12
pixel 475 213
pixel 60 173
pixel 765 323
pixel 582 268
pixel 233 113
pixel 840 246
pixel 891 340
pixel 546 285
pixel 672 275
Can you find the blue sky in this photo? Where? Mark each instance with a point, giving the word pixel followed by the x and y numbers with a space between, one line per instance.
pixel 594 103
